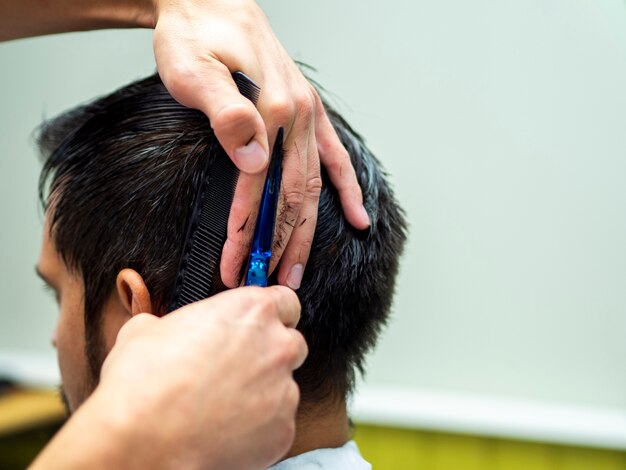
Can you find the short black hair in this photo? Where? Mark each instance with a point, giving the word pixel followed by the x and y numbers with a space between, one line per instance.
pixel 120 177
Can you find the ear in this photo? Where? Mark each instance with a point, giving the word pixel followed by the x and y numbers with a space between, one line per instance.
pixel 133 292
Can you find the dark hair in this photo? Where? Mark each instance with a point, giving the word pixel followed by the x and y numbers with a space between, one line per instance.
pixel 121 175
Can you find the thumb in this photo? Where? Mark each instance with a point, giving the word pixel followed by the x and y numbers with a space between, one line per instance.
pixel 236 122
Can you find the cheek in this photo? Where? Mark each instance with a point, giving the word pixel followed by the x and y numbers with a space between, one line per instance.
pixel 70 343
pixel 112 321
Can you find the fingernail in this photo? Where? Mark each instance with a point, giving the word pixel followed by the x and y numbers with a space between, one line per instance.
pixel 295 276
pixel 366 215
pixel 251 158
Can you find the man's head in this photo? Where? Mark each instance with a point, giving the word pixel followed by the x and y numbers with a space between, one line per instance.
pixel 123 173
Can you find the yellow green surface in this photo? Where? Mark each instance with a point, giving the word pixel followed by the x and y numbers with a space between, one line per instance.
pixel 388 448
pixel 399 449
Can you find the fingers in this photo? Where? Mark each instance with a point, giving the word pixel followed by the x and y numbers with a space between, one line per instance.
pixel 240 229
pixel 299 196
pixel 300 151
pixel 241 224
pixel 300 347
pixel 264 307
pixel 203 81
pixel 276 302
pixel 292 192
pixel 296 254
pixel 288 310
pixel 337 163
pixel 131 329
pixel 242 132
pixel 135 325
pixel 294 347
pixel 237 124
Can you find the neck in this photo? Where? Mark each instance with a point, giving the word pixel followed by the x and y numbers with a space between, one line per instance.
pixel 320 426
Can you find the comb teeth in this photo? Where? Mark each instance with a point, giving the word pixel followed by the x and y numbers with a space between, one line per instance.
pixel 208 236
pixel 247 87
pixel 198 273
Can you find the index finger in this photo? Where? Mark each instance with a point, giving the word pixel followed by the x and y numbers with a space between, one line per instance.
pixel 336 161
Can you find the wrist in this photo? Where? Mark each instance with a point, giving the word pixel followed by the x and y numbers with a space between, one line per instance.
pixel 108 14
pixel 124 13
pixel 97 438
pixel 26 18
pixel 197 9
pixel 121 429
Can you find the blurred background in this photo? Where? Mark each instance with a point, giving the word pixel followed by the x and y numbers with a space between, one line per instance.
pixel 502 125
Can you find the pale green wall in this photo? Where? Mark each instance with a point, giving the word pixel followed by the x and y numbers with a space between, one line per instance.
pixel 391 449
pixel 41 77
pixel 502 124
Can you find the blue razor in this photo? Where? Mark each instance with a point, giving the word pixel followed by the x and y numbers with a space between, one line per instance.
pixel 261 252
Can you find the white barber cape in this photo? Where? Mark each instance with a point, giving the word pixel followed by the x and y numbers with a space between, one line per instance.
pixel 346 457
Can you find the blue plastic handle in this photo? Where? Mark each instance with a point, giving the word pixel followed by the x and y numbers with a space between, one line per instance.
pixel 261 251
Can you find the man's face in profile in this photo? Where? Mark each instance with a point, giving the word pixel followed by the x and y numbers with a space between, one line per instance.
pixel 69 334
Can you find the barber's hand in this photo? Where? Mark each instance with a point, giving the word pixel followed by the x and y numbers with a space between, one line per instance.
pixel 198 44
pixel 208 386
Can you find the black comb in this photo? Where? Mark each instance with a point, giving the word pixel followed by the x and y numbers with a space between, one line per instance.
pixel 198 273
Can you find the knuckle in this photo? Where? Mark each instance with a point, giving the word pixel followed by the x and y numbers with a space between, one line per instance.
pixel 286 353
pixel 178 76
pixel 292 397
pixel 286 298
pixel 305 246
pixel 126 331
pixel 304 346
pixel 328 138
pixel 282 109
pixel 336 165
pixel 250 299
pixel 305 105
pixel 134 326
pixel 342 171
pixel 297 312
pixel 285 436
pixel 293 200
pixel 233 117
pixel 266 305
pixel 292 350
pixel 316 98
pixel 314 185
pixel 279 355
